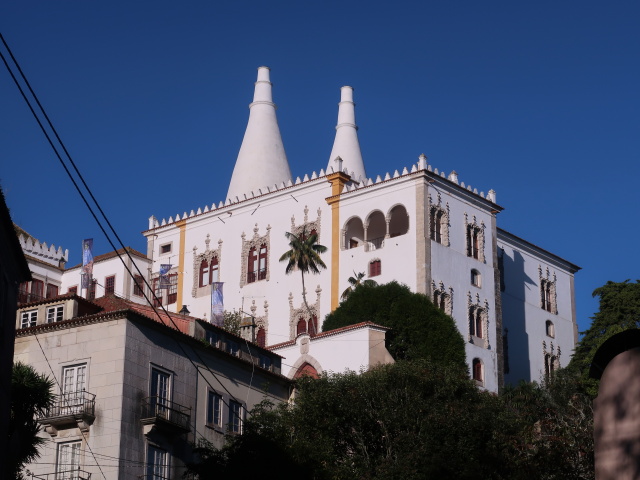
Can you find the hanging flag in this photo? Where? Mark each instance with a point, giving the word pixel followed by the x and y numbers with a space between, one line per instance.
pixel 217 303
pixel 87 262
pixel 164 277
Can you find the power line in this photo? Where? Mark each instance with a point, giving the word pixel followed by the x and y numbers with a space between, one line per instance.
pixel 95 217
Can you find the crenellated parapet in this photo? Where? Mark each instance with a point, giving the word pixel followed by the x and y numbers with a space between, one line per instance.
pixel 42 251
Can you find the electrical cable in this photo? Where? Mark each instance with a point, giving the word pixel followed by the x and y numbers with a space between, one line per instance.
pixel 101 212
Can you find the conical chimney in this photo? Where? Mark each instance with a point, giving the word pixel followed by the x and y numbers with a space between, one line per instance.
pixel 262 160
pixel 346 145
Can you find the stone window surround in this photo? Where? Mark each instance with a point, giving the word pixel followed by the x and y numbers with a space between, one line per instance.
pixel 434 208
pixel 306 224
pixel 548 280
pixel 440 291
pixel 295 314
pixel 480 228
pixel 197 291
pixel 483 310
pixel 260 322
pixel 255 242
pixel 551 357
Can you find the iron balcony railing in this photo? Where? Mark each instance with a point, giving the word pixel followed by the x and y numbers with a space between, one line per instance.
pixel 75 474
pixel 160 410
pixel 26 297
pixel 259 275
pixel 70 404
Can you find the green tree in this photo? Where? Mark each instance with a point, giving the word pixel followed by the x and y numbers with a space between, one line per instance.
pixel 232 321
pixel 418 328
pixel 619 311
pixel 409 420
pixel 31 395
pixel 355 282
pixel 304 255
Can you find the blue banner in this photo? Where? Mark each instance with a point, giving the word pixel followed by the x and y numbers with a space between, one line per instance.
pixel 87 262
pixel 217 303
pixel 164 277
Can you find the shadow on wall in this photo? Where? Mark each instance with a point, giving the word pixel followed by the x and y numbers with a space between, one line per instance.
pixel 617 407
pixel 516 282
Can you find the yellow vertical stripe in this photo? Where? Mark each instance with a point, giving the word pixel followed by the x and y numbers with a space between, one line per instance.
pixel 337 181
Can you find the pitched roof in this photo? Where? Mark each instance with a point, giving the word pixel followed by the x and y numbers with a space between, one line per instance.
pixel 329 333
pixel 112 254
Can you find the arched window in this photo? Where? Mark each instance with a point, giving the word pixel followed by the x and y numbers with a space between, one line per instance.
pixel 313 326
pixel 252 266
pixel 476 321
pixel 302 326
pixel 306 369
pixel 550 328
pixel 478 374
pixel 398 221
pixel 435 224
pixel 213 271
pixel 204 273
pixel 475 278
pixel 473 241
pixel 261 337
pixel 262 262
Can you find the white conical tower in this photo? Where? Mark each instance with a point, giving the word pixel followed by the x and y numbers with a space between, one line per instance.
pixel 261 161
pixel 346 145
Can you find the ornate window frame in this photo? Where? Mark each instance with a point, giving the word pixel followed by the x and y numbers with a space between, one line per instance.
pixel 306 224
pixel 296 314
pixel 442 298
pixel 474 228
pixel 261 322
pixel 255 242
pixel 196 290
pixel 439 213
pixel 477 311
pixel 548 293
pixel 551 358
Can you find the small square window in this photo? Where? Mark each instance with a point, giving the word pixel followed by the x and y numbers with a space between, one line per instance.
pixel 29 319
pixel 164 249
pixel 110 284
pixel 55 314
pixel 73 290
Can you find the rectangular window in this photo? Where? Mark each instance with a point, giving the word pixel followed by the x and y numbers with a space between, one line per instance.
pixel 54 314
pixel 160 391
pixel 73 290
pixel 138 285
pixel 74 384
pixel 91 294
pixel 157 463
pixel 265 362
pixel 37 290
pixel 157 299
pixel 375 268
pixel 164 249
pixel 52 291
pixel 235 417
pixel 29 319
pixel 68 461
pixel 110 284
pixel 23 292
pixel 172 291
pixel 214 409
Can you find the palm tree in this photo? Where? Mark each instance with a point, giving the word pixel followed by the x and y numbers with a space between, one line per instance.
pixel 304 254
pixel 355 282
pixel 31 395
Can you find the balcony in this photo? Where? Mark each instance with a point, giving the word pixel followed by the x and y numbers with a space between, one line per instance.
pixel 259 275
pixel 76 474
pixel 69 410
pixel 161 414
pixel 26 297
pixel 375 244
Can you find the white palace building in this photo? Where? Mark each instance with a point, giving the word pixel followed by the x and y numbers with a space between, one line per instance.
pixel 512 301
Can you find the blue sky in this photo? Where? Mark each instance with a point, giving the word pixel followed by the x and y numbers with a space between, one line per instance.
pixel 537 100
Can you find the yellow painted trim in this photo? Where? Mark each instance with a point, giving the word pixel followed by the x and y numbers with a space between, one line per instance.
pixel 337 181
pixel 182 224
